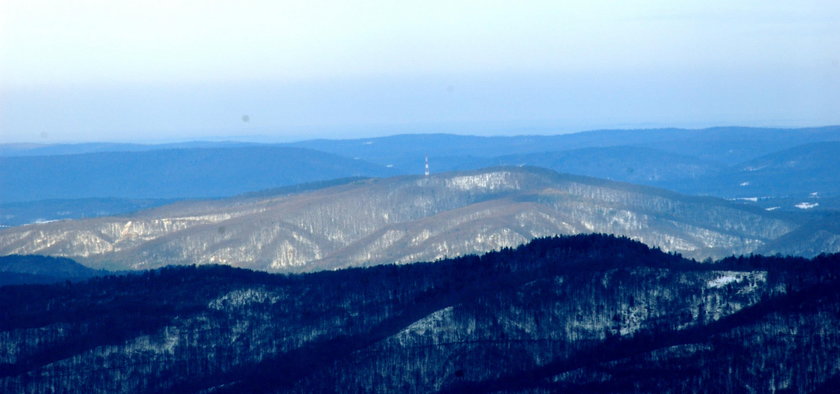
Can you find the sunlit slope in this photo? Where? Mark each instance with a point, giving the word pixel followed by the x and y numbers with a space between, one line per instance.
pixel 403 219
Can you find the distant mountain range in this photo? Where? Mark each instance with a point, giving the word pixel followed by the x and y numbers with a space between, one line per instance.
pixel 22 149
pixel 171 173
pixel 750 164
pixel 579 314
pixel 724 145
pixel 413 218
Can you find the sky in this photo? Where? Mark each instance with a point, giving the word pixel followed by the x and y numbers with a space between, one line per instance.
pixel 163 71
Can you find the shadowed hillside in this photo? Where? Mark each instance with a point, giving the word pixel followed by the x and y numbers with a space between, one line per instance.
pixel 583 313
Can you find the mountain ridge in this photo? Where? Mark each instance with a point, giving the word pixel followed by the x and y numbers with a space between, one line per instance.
pixel 405 219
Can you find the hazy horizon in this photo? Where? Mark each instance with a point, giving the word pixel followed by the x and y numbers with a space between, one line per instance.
pixel 284 71
pixel 383 131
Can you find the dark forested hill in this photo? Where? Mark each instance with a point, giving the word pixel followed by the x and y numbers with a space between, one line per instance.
pixel 583 313
pixel 17 269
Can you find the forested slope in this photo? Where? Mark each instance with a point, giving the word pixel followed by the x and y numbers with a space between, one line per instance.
pixel 575 313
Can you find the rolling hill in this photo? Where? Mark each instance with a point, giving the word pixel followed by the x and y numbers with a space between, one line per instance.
pixel 622 163
pixel 97 179
pixel 16 269
pixel 803 171
pixel 171 173
pixel 406 219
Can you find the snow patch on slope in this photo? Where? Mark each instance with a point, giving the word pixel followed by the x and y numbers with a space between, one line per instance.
pixel 243 297
pixel 436 328
pixel 727 278
pixel 502 180
pixel 807 205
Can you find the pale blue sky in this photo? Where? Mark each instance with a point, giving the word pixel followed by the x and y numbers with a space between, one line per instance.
pixel 148 71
